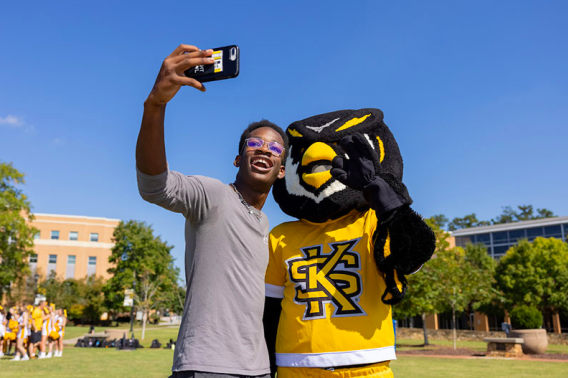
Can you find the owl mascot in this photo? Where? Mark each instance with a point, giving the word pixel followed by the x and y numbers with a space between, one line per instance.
pixel 334 273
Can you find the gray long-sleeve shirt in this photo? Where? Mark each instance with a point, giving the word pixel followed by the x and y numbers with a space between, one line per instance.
pixel 226 255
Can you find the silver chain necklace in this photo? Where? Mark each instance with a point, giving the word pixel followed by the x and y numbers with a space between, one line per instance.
pixel 245 203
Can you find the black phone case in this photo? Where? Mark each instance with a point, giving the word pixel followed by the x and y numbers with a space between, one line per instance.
pixel 226 65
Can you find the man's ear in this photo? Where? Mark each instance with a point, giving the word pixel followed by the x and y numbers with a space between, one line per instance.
pixel 282 172
pixel 237 162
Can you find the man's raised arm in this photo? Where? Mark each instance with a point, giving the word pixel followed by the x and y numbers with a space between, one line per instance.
pixel 150 148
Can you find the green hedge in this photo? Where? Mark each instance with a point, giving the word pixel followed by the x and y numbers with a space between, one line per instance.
pixel 526 317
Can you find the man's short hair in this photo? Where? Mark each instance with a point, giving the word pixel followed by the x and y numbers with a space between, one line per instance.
pixel 264 123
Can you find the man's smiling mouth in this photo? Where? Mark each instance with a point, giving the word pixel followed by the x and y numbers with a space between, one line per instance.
pixel 261 163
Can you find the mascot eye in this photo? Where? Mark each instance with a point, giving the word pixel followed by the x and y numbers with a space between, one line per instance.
pixel 352 122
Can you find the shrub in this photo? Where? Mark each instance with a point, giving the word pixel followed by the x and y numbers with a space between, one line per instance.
pixel 526 317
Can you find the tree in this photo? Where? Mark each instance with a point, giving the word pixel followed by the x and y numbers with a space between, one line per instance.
pixel 16 235
pixel 468 221
pixel 139 255
pixel 440 220
pixel 422 296
pixel 526 212
pixel 83 298
pixel 535 274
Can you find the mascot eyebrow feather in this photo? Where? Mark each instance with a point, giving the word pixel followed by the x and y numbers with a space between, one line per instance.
pixel 318 129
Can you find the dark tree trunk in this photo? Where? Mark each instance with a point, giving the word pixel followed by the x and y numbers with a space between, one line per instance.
pixel 424 329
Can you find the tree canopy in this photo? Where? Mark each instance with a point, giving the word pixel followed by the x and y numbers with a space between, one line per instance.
pixel 143 261
pixel 535 274
pixel 525 213
pixel 468 221
pixel 454 280
pixel 508 215
pixel 16 235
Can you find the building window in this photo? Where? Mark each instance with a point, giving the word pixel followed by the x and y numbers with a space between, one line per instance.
pixel 92 267
pixel 37 235
pixel 553 232
pixel 52 264
pixel 532 233
pixel 462 241
pixel 70 270
pixel 94 237
pixel 73 235
pixel 483 238
pixel 515 235
pixel 55 235
pixel 500 237
pixel 500 250
pixel 33 263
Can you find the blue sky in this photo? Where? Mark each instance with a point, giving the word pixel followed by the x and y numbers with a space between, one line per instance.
pixel 476 94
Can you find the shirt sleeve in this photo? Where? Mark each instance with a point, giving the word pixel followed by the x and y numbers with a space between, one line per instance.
pixel 275 279
pixel 192 196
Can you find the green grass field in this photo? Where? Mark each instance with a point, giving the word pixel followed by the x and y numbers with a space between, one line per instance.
pixel 156 363
pixel 406 344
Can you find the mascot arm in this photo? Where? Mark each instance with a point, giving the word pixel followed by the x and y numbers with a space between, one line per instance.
pixel 270 320
pixel 403 243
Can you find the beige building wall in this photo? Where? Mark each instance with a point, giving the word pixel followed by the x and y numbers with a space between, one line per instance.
pixel 56 247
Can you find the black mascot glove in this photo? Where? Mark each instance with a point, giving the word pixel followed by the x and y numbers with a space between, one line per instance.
pixel 362 171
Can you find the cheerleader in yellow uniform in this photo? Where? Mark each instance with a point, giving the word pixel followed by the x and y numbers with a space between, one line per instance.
pixel 52 334
pixel 60 321
pixel 45 329
pixel 22 336
pixel 11 330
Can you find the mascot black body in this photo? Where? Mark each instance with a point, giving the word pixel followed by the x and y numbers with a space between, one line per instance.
pixel 343 166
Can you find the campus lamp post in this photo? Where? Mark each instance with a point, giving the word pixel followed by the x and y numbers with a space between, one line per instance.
pixel 36 279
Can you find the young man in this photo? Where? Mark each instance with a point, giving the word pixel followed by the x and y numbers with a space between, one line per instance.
pixel 35 334
pixel 38 315
pixel 226 234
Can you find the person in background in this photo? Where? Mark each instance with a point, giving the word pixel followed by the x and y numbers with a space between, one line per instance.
pixel 59 327
pixel 38 317
pixel 45 329
pixel 21 335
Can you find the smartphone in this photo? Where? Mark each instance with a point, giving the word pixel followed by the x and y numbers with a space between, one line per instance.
pixel 226 66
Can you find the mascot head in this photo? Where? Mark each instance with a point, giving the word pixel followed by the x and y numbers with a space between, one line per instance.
pixel 308 191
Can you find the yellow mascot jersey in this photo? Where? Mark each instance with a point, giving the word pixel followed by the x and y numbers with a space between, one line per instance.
pixel 332 313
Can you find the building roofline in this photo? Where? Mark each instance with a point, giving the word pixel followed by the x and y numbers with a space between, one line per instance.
pixel 510 226
pixel 77 217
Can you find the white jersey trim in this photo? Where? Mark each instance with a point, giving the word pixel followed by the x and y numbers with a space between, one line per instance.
pixel 274 291
pixel 356 357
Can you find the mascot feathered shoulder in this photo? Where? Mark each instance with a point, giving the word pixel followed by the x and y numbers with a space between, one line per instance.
pixel 335 272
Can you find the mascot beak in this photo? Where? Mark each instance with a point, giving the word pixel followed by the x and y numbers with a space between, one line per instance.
pixel 316 164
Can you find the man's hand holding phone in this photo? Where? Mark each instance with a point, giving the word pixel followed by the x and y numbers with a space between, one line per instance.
pixel 171 76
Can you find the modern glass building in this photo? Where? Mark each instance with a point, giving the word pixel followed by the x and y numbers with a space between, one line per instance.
pixel 499 238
